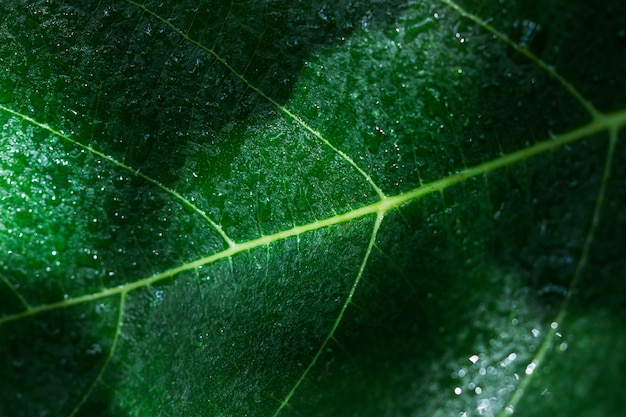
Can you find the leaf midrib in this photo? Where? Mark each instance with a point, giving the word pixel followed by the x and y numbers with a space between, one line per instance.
pixel 602 122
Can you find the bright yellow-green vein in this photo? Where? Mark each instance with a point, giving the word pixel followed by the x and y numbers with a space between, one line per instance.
pixel 608 122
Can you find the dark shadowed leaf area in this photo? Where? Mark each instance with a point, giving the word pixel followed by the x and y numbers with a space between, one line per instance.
pixel 310 208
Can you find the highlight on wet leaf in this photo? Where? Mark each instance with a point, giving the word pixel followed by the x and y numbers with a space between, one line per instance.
pixel 277 208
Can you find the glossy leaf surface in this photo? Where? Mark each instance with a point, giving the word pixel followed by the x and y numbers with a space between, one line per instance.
pixel 273 208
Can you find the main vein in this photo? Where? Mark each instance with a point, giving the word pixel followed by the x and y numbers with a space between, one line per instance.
pixel 610 122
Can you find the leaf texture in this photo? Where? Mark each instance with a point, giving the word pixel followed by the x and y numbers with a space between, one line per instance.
pixel 273 208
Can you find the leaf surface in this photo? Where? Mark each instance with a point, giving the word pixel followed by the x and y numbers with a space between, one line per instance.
pixel 300 208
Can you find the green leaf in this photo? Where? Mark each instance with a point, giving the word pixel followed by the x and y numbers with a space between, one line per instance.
pixel 291 208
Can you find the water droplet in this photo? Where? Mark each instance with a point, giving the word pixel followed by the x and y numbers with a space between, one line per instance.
pixel 94 349
pixel 483 406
